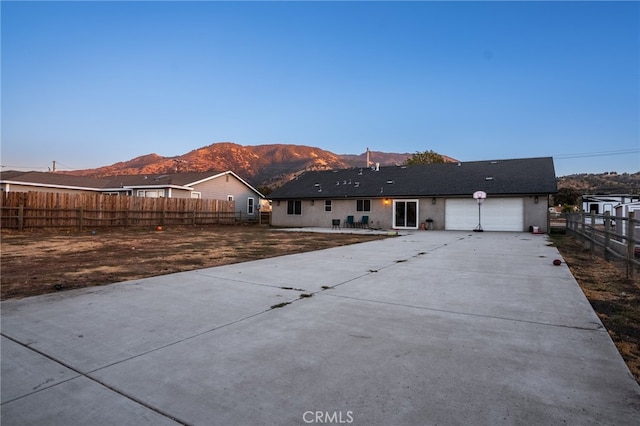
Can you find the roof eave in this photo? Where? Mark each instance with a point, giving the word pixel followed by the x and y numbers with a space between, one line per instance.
pixel 392 195
pixel 50 185
pixel 186 188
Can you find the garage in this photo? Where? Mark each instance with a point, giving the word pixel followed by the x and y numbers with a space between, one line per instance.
pixel 497 214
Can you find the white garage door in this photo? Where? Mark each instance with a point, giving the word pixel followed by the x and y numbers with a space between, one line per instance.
pixel 497 214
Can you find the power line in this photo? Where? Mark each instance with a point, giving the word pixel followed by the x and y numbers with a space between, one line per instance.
pixel 596 154
pixel 6 166
pixel 58 164
pixel 48 166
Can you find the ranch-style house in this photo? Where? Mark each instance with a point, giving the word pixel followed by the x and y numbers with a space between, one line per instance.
pixel 430 196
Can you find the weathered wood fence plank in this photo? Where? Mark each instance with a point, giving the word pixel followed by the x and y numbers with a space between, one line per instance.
pixel 24 210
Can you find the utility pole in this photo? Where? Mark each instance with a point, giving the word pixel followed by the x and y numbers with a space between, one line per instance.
pixel 54 166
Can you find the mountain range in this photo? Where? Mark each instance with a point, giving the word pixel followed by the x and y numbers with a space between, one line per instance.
pixel 260 165
pixel 268 166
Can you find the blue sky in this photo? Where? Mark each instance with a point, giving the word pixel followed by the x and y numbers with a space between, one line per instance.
pixel 90 84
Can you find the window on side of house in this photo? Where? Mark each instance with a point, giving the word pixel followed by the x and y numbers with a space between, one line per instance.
pixel 327 205
pixel 196 195
pixel 294 207
pixel 363 205
pixel 250 205
pixel 156 193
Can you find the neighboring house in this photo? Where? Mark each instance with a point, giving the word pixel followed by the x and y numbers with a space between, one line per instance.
pixel 621 227
pixel 14 181
pixel 438 196
pixel 623 210
pixel 206 185
pixel 600 204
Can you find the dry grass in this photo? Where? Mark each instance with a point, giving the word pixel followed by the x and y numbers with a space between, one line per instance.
pixel 42 262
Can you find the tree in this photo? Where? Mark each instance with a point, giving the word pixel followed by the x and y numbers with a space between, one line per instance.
pixel 264 190
pixel 426 157
pixel 568 196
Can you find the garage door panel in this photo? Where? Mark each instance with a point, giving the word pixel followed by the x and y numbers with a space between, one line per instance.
pixel 497 214
pixel 459 216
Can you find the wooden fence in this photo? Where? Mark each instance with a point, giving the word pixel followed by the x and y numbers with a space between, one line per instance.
pixel 28 210
pixel 617 236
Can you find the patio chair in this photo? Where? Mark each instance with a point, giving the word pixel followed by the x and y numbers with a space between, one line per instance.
pixel 364 223
pixel 349 223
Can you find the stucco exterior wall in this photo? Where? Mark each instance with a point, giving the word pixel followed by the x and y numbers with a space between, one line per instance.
pixel 314 213
pixel 536 213
pixel 432 208
pixel 381 214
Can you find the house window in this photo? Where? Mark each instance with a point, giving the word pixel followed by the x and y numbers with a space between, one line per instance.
pixel 196 195
pixel 250 205
pixel 363 205
pixel 294 207
pixel 155 193
pixel 327 205
pixel 229 197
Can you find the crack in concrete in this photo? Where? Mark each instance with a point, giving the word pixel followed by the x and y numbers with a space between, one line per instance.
pixel 598 327
pixel 88 376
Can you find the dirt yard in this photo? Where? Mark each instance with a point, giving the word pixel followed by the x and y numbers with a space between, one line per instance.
pixel 43 262
pixel 35 263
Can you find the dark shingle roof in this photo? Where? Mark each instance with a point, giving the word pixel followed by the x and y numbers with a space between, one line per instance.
pixel 165 179
pixel 52 179
pixel 111 182
pixel 499 177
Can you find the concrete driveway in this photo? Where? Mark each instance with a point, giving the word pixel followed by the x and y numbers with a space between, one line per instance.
pixel 446 328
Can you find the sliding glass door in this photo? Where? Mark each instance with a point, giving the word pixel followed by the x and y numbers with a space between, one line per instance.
pixel 405 214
